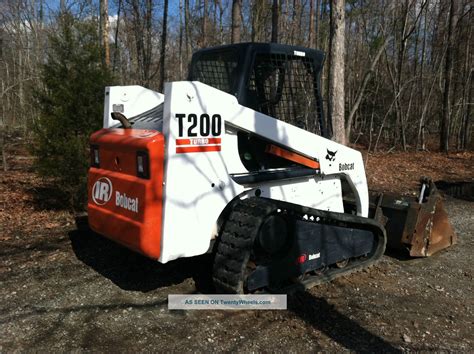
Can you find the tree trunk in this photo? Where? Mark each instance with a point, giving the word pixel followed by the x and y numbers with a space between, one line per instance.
pixel 256 21
pixel 204 25
pixel 467 94
pixel 180 45
pixel 293 24
pixel 398 75
pixel 163 46
pixel 336 71
pixel 275 15
pixel 187 34
pixel 311 24
pixel 114 63
pixel 467 118
pixel 221 26
pixel 445 118
pixel 149 36
pixel 104 23
pixel 317 18
pixel 236 20
pixel 139 44
pixel 421 82
pixel 2 143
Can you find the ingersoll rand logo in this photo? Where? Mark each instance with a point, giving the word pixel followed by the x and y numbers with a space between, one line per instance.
pixel 102 192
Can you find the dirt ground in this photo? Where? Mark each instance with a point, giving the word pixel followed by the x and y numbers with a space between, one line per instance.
pixel 64 289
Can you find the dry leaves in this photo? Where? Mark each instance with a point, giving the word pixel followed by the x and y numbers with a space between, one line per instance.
pixel 400 172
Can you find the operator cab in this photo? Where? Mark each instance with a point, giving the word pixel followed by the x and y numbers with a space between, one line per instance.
pixel 278 80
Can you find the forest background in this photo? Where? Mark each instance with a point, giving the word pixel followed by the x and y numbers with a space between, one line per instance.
pixel 397 76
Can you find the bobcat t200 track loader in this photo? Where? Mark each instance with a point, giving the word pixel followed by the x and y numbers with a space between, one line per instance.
pixel 237 161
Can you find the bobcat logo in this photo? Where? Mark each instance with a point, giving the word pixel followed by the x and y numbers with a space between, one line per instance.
pixel 331 155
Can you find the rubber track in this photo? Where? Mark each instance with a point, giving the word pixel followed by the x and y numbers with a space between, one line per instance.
pixel 240 230
pixel 236 242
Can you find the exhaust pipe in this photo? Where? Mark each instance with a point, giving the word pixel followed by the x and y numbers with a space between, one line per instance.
pixel 122 119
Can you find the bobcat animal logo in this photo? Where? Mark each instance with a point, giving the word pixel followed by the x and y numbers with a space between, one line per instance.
pixel 331 155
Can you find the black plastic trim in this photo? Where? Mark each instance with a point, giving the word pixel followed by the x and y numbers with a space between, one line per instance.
pixel 273 175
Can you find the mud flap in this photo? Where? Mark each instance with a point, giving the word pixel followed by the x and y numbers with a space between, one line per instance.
pixel 420 225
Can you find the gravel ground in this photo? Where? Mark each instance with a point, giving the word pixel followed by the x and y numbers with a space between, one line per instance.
pixel 64 290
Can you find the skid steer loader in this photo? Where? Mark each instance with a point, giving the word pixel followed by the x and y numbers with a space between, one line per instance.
pixel 237 161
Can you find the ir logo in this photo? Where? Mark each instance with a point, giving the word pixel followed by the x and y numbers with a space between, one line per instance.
pixel 102 191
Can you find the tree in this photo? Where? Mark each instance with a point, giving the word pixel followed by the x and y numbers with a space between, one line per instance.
pixel 141 33
pixel 236 20
pixel 275 15
pixel 205 31
pixel 187 30
pixel 446 115
pixel 71 104
pixel 414 92
pixel 163 46
pixel 336 71
pixel 311 24
pixel 361 90
pixel 104 25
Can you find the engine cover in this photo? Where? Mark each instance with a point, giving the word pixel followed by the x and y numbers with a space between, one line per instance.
pixel 125 199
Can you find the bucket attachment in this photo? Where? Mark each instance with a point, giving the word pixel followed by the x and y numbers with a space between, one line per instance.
pixel 420 224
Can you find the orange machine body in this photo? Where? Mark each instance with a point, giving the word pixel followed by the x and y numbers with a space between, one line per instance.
pixel 124 201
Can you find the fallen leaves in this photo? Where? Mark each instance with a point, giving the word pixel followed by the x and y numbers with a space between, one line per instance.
pixel 400 172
